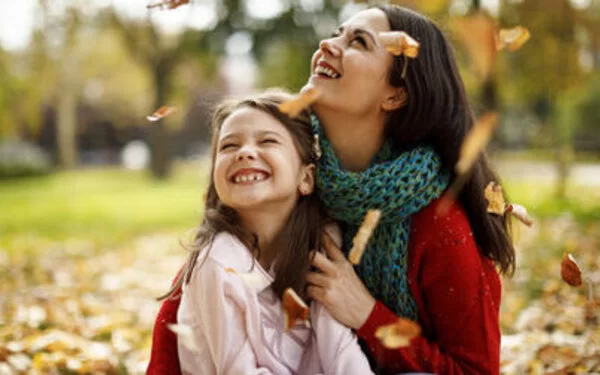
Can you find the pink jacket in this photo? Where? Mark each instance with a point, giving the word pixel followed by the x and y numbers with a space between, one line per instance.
pixel 237 323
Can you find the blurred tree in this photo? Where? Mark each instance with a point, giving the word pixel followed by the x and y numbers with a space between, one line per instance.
pixel 546 70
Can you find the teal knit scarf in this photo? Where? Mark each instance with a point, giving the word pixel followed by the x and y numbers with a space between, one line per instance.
pixel 397 183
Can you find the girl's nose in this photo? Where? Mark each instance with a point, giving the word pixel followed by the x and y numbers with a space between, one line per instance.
pixel 330 47
pixel 246 153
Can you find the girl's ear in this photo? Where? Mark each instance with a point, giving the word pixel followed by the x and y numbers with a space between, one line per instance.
pixel 307 179
pixel 397 100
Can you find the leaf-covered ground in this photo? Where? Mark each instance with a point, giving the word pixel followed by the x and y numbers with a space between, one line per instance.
pixel 75 308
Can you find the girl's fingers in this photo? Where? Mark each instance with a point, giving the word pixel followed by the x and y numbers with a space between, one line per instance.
pixel 331 249
pixel 317 279
pixel 322 263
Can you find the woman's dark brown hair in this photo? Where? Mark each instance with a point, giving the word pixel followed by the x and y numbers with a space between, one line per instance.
pixel 301 233
pixel 438 113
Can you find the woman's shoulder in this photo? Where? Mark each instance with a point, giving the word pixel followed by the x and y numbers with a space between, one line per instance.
pixel 441 221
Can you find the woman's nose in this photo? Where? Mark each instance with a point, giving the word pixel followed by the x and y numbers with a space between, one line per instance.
pixel 330 47
pixel 246 153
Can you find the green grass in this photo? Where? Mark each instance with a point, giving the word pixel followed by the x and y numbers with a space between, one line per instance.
pixel 111 205
pixel 104 205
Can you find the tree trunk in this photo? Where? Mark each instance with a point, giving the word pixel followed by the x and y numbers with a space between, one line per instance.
pixel 160 159
pixel 67 114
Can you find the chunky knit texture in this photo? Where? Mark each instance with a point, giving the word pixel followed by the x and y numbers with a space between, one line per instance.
pixel 399 184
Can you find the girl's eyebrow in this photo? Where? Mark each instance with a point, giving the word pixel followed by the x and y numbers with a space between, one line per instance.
pixel 359 31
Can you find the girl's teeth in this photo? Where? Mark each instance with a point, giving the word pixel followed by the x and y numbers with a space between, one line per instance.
pixel 246 178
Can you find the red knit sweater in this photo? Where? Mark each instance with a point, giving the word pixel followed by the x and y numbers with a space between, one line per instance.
pixel 457 293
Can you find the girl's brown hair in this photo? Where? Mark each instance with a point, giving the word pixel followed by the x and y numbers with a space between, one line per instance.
pixel 301 233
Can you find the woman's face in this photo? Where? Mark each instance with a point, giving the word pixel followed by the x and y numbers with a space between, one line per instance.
pixel 351 68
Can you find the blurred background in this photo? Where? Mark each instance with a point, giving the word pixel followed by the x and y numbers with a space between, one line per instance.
pixel 95 199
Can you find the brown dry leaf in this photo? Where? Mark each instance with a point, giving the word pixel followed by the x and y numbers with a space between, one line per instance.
pixel 493 194
pixel 475 141
pixel 294 106
pixel 398 334
pixel 294 309
pixel 399 42
pixel 162 112
pixel 569 270
pixel 520 213
pixel 512 39
pixel 360 240
pixel 169 4
pixel 478 34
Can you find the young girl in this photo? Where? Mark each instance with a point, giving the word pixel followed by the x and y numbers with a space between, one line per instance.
pixel 261 221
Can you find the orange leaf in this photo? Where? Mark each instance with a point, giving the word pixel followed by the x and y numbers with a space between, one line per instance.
pixel 398 334
pixel 478 34
pixel 399 42
pixel 520 213
pixel 170 4
pixel 493 194
pixel 361 238
pixel 162 112
pixel 512 39
pixel 569 270
pixel 475 141
pixel 294 309
pixel 294 106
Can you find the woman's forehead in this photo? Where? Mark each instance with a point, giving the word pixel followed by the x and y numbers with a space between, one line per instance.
pixel 372 19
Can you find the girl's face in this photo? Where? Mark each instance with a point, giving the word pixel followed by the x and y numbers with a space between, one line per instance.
pixel 257 164
pixel 351 68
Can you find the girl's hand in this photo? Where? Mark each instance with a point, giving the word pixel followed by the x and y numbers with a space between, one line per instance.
pixel 338 287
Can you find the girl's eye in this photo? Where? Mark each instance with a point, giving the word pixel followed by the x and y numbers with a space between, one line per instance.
pixel 227 146
pixel 269 140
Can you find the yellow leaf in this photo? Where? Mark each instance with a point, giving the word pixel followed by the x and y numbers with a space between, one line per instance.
pixel 294 106
pixel 398 334
pixel 512 39
pixel 478 34
pixel 493 194
pixel 361 238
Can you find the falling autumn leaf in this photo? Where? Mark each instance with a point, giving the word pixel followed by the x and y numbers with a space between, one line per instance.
pixel 520 213
pixel 475 141
pixel 169 4
pixel 294 309
pixel 493 194
pixel 399 42
pixel 398 334
pixel 478 34
pixel 186 335
pixel 512 39
pixel 361 238
pixel 162 112
pixel 301 101
pixel 569 270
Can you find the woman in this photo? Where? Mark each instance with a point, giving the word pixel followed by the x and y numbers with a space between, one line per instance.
pixel 438 270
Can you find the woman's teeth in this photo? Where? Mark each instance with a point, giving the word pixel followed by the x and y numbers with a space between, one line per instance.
pixel 249 177
pixel 326 71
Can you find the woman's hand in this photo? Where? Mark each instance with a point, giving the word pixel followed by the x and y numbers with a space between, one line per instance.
pixel 338 287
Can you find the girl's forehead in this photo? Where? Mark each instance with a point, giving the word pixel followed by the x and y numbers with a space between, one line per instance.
pixel 251 121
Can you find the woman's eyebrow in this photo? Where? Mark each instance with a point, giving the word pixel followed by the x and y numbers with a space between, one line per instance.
pixel 359 31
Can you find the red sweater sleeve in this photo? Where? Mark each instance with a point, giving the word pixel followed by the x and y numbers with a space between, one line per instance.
pixel 457 292
pixel 164 359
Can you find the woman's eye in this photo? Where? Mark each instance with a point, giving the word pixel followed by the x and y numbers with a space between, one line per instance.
pixel 360 40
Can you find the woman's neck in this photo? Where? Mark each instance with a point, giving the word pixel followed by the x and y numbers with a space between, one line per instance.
pixel 267 224
pixel 354 139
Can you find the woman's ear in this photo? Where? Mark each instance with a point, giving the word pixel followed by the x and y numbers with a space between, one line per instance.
pixel 397 100
pixel 307 179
